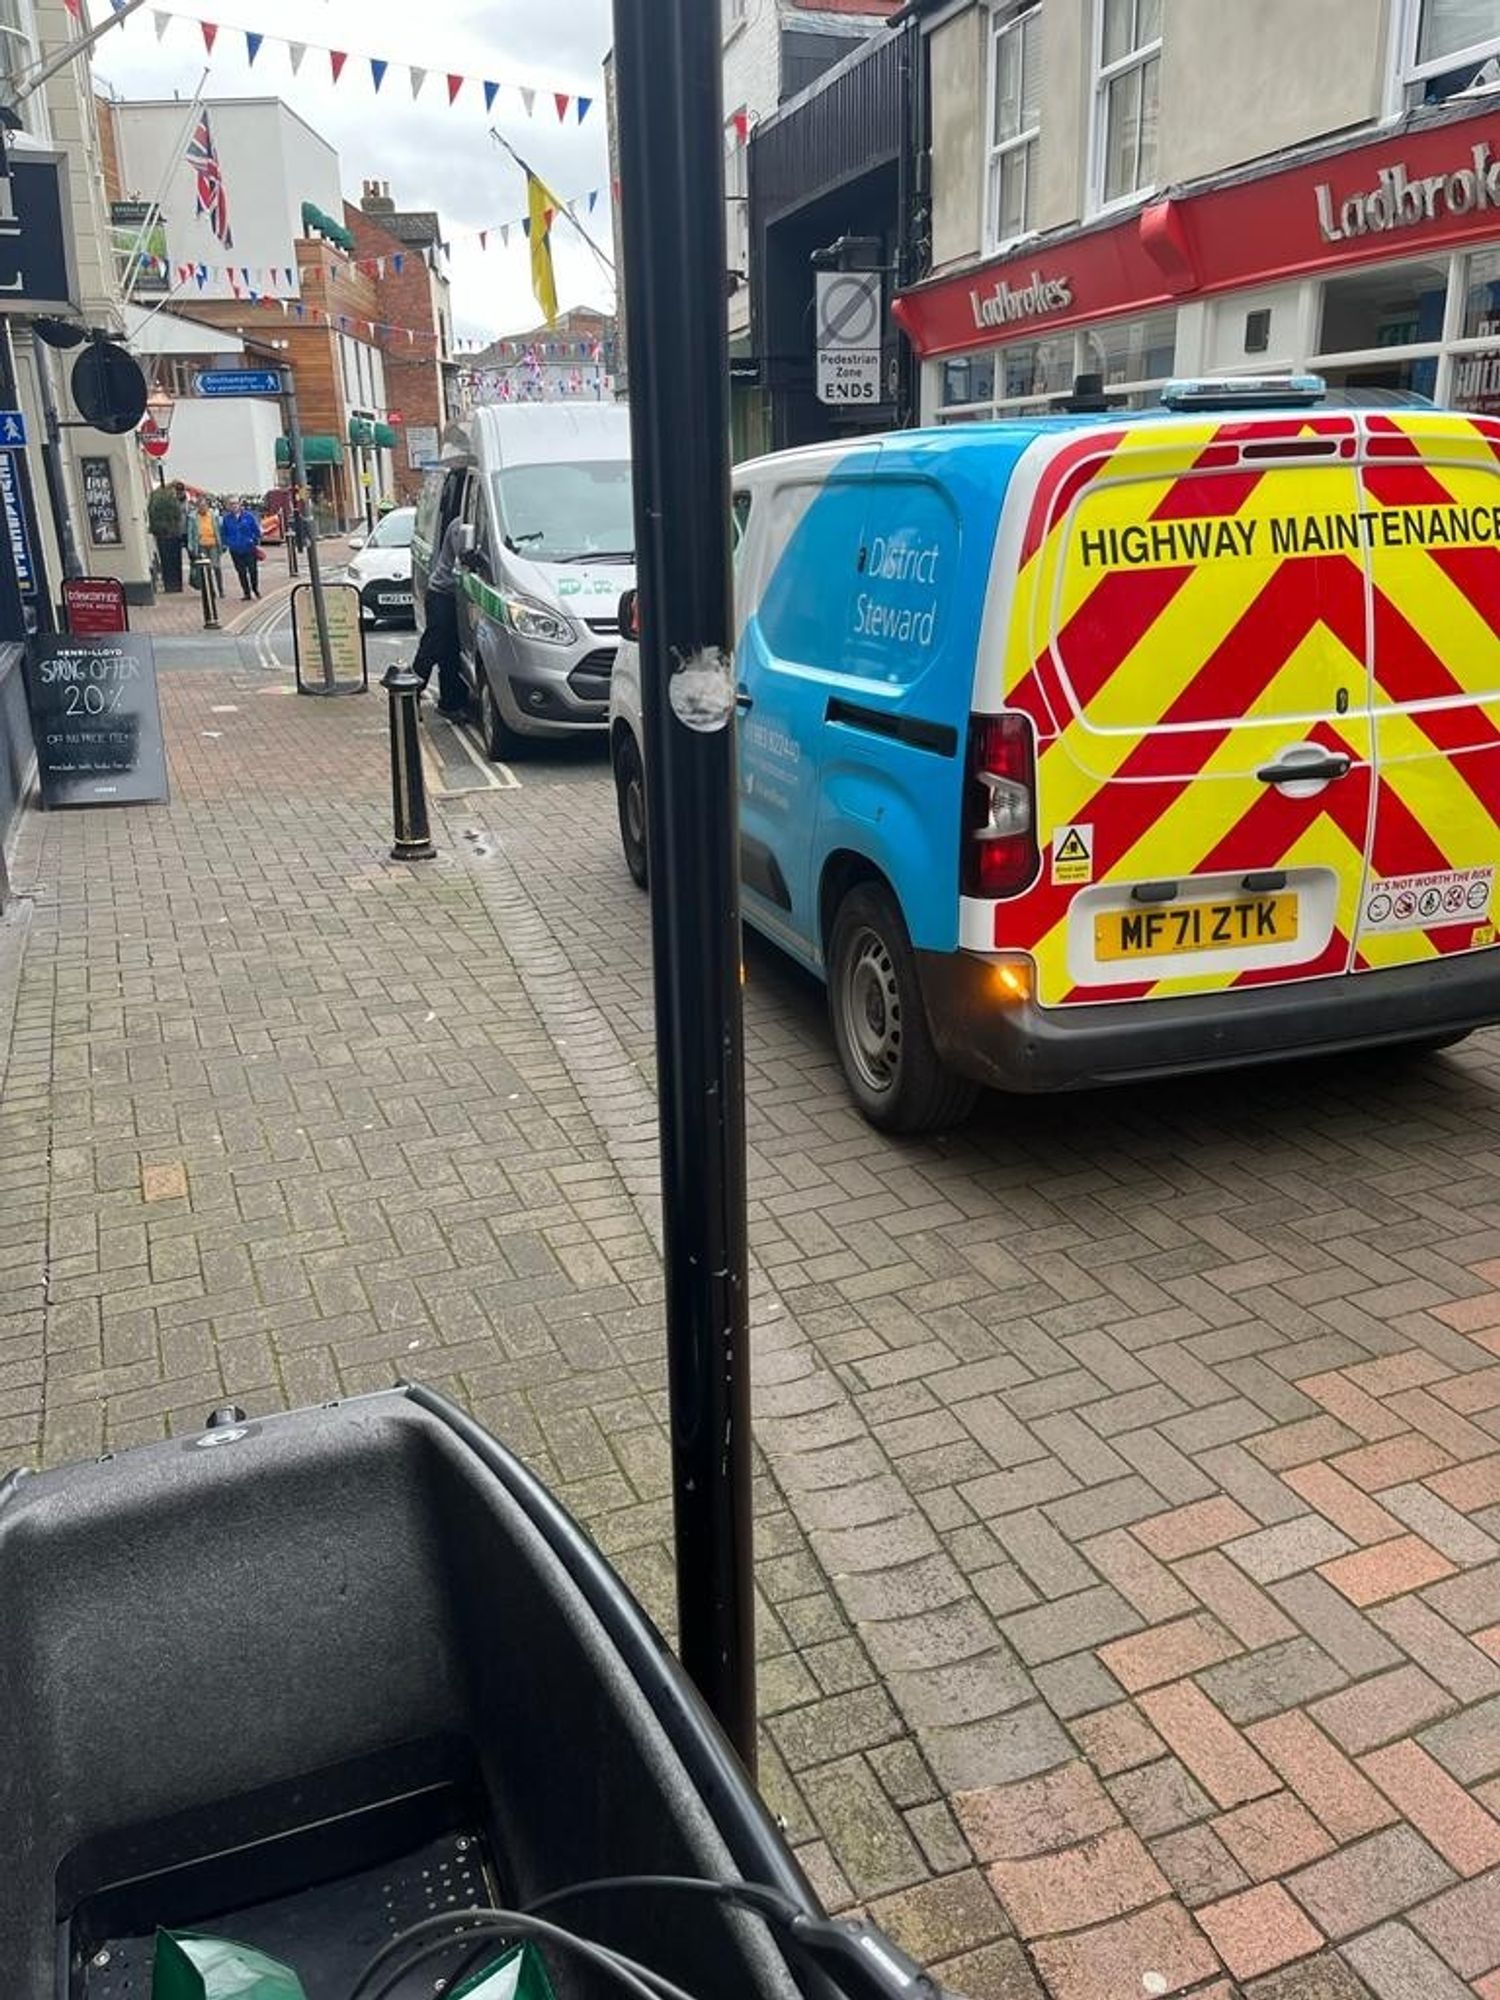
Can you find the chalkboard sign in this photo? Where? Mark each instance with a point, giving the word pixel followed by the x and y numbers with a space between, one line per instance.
pixel 96 720
pixel 100 502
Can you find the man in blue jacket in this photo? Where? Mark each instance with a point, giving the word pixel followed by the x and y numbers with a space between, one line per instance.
pixel 241 531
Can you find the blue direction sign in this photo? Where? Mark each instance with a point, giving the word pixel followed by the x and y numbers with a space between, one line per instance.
pixel 12 430
pixel 239 382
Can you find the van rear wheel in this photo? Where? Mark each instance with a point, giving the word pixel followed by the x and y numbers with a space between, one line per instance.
pixel 630 799
pixel 894 1072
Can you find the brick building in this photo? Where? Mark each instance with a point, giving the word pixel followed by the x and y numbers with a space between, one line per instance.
pixel 405 247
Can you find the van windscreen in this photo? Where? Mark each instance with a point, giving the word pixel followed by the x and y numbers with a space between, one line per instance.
pixel 568 512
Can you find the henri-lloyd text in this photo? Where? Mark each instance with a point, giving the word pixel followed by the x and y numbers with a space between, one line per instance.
pixel 1401 203
pixel 1003 305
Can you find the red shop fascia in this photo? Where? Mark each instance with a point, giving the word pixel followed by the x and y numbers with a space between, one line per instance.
pixel 1416 188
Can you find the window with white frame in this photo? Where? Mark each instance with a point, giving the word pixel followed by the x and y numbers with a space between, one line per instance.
pixel 1127 99
pixel 1015 117
pixel 1449 46
pixel 737 192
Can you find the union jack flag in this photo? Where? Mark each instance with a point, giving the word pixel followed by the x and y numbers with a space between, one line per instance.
pixel 212 199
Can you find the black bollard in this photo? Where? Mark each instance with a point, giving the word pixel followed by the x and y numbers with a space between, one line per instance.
pixel 408 786
pixel 208 591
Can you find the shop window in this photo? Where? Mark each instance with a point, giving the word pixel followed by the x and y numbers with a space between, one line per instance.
pixel 1476 377
pixel 1132 350
pixel 969 378
pixel 1015 122
pixel 1127 97
pixel 1389 305
pixel 1451 46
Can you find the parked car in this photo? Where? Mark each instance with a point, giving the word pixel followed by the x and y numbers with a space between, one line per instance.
pixel 545 489
pixel 381 567
pixel 1082 749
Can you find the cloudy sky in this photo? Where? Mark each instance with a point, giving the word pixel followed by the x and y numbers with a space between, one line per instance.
pixel 432 156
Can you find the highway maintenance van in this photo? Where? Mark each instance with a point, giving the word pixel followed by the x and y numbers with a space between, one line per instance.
pixel 1087 748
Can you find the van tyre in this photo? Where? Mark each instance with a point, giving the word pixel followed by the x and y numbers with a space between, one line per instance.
pixel 630 799
pixel 500 741
pixel 894 1072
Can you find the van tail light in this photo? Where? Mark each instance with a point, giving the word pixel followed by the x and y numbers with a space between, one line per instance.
pixel 999 842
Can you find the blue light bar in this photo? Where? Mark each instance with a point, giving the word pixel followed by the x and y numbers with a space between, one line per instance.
pixel 1243 392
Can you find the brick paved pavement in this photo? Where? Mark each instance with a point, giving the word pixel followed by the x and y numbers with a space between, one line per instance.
pixel 1130 1490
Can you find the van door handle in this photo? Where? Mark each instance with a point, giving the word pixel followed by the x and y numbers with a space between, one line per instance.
pixel 744 701
pixel 1307 770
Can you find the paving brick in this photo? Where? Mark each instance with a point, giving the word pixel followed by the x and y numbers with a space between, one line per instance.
pixel 1394 1462
pixel 1388 1570
pixel 1211 1748
pixel 1146 1583
pixel 1088 1618
pixel 1116 1739
pixel 1048 1560
pixel 1454 1663
pixel 1344 1633
pixel 1299 1444
pixel 1469 1487
pixel 1468 1601
pixel 1187 1531
pixel 935 1920
pixel 1468 1744
pixel 997 1971
pixel 997 1751
pixel 1158 1798
pixel 1351 1405
pixel 1323 1977
pixel 1074 1685
pixel 1321 1775
pixel 1112 1960
pixel 1099 1878
pixel 1362 1519
pixel 1258 1930
pixel 1277 1677
pixel 1100 1508
pixel 1378 1711
pixel 865 1831
pixel 1466 1836
pixel 1396 1965
pixel 1292 1546
pixel 1460 1539
pixel 1376 1878
pixel 1241 1606
pixel 1463 1927
pixel 1036 1816
pixel 1198 1865
pixel 1272 1836
pixel 1167 1652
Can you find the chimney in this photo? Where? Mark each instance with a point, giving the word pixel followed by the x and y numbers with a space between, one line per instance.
pixel 375 199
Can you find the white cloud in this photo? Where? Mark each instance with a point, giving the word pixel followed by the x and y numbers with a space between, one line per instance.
pixel 433 156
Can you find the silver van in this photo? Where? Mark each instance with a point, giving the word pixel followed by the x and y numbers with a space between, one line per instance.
pixel 545 487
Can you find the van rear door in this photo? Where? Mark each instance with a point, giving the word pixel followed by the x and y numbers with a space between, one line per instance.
pixel 1189 640
pixel 1432 490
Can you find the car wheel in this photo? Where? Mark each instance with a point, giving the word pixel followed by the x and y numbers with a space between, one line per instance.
pixel 894 1072
pixel 501 742
pixel 630 799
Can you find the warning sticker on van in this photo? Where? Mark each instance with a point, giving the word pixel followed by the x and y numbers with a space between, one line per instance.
pixel 1423 902
pixel 1073 854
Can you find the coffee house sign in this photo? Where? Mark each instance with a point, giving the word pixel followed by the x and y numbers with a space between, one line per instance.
pixel 1402 201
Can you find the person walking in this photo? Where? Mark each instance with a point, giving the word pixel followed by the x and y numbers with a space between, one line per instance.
pixel 166 517
pixel 439 644
pixel 205 544
pixel 241 532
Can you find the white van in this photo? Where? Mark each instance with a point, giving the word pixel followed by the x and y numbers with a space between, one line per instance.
pixel 545 488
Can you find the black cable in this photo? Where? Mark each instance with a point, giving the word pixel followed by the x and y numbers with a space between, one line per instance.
pixel 437 1935
pixel 758 1896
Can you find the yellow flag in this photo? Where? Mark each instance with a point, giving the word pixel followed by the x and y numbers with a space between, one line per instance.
pixel 541 207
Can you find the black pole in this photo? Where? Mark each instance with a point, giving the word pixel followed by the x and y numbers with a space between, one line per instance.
pixel 57 488
pixel 314 571
pixel 669 95
pixel 408 784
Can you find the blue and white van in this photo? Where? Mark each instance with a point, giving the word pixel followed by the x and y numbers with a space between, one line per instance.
pixel 1102 746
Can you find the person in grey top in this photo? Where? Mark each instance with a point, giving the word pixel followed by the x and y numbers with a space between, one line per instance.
pixel 439 644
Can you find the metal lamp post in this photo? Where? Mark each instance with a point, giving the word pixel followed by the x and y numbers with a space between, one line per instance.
pixel 161 407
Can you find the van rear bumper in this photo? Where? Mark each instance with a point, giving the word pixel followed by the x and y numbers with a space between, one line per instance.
pixel 1024 1047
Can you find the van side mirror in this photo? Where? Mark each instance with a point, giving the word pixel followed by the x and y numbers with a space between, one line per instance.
pixel 466 539
pixel 630 615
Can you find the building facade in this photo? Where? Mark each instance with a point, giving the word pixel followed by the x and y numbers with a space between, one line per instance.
pixel 1102 205
pixel 570 361
pixel 406 248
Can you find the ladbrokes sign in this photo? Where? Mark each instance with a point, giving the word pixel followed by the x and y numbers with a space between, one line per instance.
pixel 1004 304
pixel 1399 201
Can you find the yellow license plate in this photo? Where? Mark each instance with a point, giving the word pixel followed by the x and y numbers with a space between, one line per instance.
pixel 1162 930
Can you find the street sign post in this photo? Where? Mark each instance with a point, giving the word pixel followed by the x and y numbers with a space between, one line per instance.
pixel 668 62
pixel 848 346
pixel 238 382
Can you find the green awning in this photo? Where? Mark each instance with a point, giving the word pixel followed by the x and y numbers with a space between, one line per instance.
pixel 361 431
pixel 385 437
pixel 316 450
